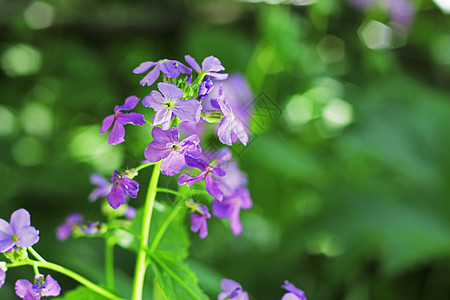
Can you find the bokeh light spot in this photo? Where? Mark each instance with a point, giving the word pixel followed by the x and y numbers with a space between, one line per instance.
pixel 299 111
pixel 338 112
pixel 20 60
pixel 7 121
pixel 39 15
pixel 37 119
pixel 28 151
pixel 87 145
pixel 375 35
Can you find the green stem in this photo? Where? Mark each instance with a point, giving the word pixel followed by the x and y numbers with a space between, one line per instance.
pixel 163 227
pixel 169 191
pixel 35 254
pixel 109 262
pixel 47 265
pixel 138 168
pixel 141 263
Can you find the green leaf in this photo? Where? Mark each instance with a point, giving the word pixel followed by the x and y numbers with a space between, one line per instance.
pixel 81 293
pixel 175 279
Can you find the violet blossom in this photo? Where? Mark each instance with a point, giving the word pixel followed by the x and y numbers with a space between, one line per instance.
pixel 231 290
pixel 211 66
pixel 130 213
pixel 198 220
pixel 170 103
pixel 18 232
pixel 230 127
pixel 166 145
pixel 116 136
pixel 103 187
pixel 205 88
pixel 28 291
pixel 212 185
pixel 122 186
pixel 72 222
pixel 293 292
pixel 230 207
pixel 170 69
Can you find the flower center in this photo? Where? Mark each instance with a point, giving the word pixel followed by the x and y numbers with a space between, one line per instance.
pixel 168 104
pixel 14 238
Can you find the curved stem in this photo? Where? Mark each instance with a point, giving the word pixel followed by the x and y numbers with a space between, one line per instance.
pixel 35 254
pixel 169 191
pixel 89 284
pixel 164 225
pixel 138 168
pixel 141 263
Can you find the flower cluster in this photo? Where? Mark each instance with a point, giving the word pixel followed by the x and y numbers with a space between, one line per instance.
pixel 15 237
pixel 189 97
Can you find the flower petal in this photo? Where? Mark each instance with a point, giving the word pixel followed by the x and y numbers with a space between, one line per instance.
pixel 170 91
pixel 107 123
pixel 173 164
pixel 131 186
pixel 143 67
pixel 116 135
pixel 117 197
pixel 2 277
pixel 5 229
pixel 151 76
pixel 22 286
pixel 212 64
pixel 133 118
pixel 193 63
pixel 129 104
pixel 156 151
pixel 6 244
pixel 20 219
pixel 52 287
pixel 213 188
pixel 154 100
pixel 27 236
pixel 188 110
pixel 218 76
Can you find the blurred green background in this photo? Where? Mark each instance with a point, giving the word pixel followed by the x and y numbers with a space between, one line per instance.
pixel 349 160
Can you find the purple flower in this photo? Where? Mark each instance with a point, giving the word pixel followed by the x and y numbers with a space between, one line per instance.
pixel 17 232
pixel 294 292
pixel 122 186
pixel 205 88
pixel 169 104
pixel 210 65
pixel 2 273
pixel 170 68
pixel 402 12
pixel 130 213
pixel 119 118
pixel 91 228
pixel 198 221
pixel 231 290
pixel 230 207
pixel 230 127
pixel 212 186
pixel 166 145
pixel 187 128
pixel 103 187
pixel 28 291
pixel 64 230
